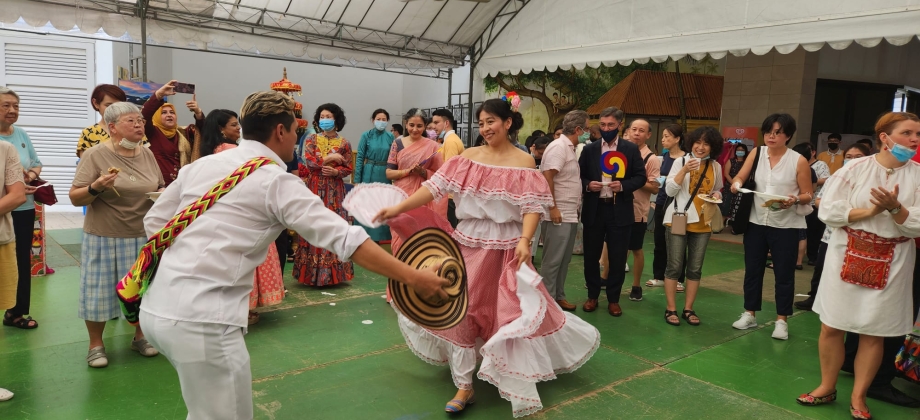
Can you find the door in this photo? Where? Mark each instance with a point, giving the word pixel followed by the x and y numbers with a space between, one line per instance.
pixel 54 79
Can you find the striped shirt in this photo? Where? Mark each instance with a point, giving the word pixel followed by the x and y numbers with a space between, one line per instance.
pixel 560 156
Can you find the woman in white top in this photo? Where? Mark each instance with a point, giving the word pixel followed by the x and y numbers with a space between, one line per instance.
pixel 874 204
pixel 690 177
pixel 774 223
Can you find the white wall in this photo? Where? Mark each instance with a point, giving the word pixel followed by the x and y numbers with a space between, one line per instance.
pixel 884 63
pixel 224 81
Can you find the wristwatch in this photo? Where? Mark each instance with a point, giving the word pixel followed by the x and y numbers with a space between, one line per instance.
pixel 895 210
pixel 93 192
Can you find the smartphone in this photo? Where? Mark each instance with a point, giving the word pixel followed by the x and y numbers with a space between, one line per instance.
pixel 185 88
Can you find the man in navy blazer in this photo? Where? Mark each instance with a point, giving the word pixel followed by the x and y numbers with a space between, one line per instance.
pixel 607 212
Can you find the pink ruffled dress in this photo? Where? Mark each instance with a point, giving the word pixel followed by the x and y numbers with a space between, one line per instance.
pixel 524 337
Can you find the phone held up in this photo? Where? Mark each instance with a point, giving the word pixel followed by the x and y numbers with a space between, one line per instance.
pixel 188 88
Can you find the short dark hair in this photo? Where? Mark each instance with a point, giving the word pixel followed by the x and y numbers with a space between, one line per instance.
pixel 743 146
pixel 538 133
pixel 863 147
pixel 558 127
pixel 446 114
pixel 834 136
pixel 101 91
pixel 337 113
pixel 263 111
pixel 708 134
pixel 398 128
pixel 541 142
pixel 614 112
pixel 479 141
pixel 804 149
pixel 380 111
pixel 786 124
pixel 867 142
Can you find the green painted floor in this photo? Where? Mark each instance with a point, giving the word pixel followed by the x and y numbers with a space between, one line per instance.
pixel 315 360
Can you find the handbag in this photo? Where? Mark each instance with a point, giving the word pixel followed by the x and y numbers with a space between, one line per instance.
pixel 742 217
pixel 908 359
pixel 679 218
pixel 133 285
pixel 44 192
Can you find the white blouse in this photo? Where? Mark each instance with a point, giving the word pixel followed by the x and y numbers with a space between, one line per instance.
pixel 781 180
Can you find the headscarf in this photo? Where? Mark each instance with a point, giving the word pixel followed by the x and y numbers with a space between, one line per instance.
pixel 158 121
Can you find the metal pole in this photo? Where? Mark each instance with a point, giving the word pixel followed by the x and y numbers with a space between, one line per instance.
pixel 469 124
pixel 143 9
pixel 450 85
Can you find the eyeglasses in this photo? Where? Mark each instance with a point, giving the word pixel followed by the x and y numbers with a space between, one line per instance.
pixel 134 122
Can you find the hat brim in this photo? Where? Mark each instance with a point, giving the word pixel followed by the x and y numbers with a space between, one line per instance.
pixel 427 248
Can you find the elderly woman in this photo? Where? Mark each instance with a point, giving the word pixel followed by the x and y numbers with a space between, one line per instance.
pixel 873 203
pixel 172 145
pixel 102 96
pixel 24 215
pixel 12 195
pixel 112 180
pixel 774 222
pixel 326 161
pixel 688 179
pixel 373 151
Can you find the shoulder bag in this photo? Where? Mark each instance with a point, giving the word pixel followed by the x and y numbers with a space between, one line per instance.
pixel 679 218
pixel 133 285
pixel 742 217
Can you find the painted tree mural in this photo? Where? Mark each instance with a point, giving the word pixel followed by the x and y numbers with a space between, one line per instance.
pixel 574 89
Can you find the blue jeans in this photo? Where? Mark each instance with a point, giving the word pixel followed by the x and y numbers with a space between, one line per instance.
pixel 693 247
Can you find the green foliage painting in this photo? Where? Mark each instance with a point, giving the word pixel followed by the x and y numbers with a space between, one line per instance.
pixel 564 90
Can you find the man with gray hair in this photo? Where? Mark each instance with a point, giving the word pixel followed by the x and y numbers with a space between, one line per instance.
pixel 195 311
pixel 560 167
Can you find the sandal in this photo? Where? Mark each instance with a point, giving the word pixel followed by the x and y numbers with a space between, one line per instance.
pixel 654 283
pixel 810 400
pixel 689 313
pixel 667 318
pixel 859 414
pixel 23 322
pixel 96 358
pixel 680 287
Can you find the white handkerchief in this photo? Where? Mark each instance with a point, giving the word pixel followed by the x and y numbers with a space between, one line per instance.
pixel 366 200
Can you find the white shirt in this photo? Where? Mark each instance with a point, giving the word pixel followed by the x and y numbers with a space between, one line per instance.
pixel 207 274
pixel 780 180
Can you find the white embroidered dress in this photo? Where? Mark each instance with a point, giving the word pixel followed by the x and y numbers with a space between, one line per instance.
pixel 524 336
pixel 887 312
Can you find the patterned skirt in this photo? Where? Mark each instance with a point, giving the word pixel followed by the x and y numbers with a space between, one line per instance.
pixel 268 289
pixel 314 266
pixel 104 261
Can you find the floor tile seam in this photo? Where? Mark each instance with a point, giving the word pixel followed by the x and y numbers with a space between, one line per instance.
pixel 726 341
pixel 391 349
pixel 281 307
pixel 732 391
pixel 606 388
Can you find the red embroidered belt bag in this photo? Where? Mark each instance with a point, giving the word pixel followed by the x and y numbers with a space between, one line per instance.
pixel 868 257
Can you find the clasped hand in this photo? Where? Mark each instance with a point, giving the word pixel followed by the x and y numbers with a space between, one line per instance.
pixel 595 186
pixel 883 199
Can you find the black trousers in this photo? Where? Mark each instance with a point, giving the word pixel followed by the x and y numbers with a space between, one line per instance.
pixel 605 229
pixel 819 268
pixel 784 245
pixel 891 347
pixel 660 261
pixel 23 226
pixel 283 244
pixel 452 213
pixel 815 230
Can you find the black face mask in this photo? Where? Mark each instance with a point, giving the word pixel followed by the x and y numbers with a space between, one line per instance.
pixel 833 146
pixel 608 136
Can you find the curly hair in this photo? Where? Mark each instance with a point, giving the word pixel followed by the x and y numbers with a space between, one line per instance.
pixel 337 114
pixel 708 134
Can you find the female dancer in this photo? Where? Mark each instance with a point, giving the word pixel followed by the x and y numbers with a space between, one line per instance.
pixel 500 199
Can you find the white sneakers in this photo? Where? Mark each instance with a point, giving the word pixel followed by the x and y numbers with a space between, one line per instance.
pixel 747 321
pixel 781 330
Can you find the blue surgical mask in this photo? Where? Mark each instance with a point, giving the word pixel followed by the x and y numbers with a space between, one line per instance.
pixel 846 161
pixel 441 136
pixel 704 158
pixel 380 125
pixel 739 153
pixel 664 151
pixel 902 153
pixel 326 124
pixel 608 136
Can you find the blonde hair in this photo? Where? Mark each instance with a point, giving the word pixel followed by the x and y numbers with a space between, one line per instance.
pixel 263 111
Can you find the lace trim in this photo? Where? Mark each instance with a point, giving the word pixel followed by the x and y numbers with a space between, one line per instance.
pixel 495 244
pixel 439 181
pixel 536 405
pixel 13 173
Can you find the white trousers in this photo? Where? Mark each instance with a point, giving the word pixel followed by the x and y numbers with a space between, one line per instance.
pixel 212 363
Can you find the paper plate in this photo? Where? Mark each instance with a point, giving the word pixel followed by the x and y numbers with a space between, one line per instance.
pixel 366 200
pixel 428 248
pixel 709 199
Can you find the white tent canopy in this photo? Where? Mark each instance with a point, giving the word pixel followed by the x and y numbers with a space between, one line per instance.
pixel 551 34
pixel 388 34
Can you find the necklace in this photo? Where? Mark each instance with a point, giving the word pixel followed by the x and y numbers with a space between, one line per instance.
pixel 131 176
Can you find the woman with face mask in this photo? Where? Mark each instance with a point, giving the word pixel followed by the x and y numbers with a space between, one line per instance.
pixel 371 166
pixel 327 161
pixel 873 203
pixel 730 200
pixel 171 144
pixel 112 181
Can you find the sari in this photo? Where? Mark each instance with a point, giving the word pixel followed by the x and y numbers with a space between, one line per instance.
pixel 426 153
